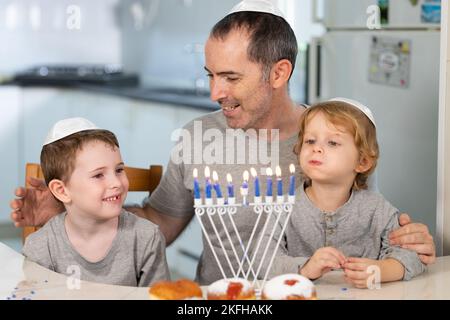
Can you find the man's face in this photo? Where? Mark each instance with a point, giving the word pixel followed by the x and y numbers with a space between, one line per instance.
pixel 236 83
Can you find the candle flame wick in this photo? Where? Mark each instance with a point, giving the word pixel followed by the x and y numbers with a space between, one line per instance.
pixel 278 171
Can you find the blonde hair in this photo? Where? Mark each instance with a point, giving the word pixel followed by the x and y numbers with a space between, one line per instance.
pixel 356 123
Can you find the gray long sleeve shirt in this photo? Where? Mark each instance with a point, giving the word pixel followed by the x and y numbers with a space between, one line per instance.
pixel 136 258
pixel 360 228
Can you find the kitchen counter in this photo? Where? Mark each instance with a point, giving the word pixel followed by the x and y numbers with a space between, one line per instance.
pixel 175 96
pixel 185 97
pixel 21 279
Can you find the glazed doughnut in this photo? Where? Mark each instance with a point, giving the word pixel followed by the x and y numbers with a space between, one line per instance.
pixel 289 287
pixel 231 289
pixel 182 289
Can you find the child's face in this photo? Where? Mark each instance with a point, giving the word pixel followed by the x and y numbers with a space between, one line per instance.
pixel 328 154
pixel 98 185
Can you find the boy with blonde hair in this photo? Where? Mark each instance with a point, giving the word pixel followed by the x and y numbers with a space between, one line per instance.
pixel 337 223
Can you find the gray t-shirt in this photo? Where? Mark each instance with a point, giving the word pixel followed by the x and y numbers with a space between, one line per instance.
pixel 209 145
pixel 360 228
pixel 136 258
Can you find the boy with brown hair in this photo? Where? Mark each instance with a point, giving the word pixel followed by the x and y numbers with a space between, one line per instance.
pixel 83 169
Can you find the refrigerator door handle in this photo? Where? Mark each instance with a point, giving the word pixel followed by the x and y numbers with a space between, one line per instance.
pixel 315 17
pixel 314 71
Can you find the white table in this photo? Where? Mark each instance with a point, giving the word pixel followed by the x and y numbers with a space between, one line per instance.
pixel 23 279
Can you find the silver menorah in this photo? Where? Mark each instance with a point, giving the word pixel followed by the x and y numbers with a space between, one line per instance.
pixel 228 211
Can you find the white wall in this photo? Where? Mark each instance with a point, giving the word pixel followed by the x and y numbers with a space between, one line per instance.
pixel 46 31
pixel 10 141
pixel 300 15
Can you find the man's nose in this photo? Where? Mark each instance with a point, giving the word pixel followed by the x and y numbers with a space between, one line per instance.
pixel 218 91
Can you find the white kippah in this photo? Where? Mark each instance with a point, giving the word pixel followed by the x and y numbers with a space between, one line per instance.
pixel 66 127
pixel 360 106
pixel 266 6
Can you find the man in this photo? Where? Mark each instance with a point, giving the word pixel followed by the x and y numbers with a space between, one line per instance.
pixel 250 55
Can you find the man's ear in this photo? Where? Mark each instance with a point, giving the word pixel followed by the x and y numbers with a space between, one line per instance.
pixel 280 73
pixel 364 165
pixel 58 189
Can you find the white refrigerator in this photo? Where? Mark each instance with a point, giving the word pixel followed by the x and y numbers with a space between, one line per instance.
pixel 395 71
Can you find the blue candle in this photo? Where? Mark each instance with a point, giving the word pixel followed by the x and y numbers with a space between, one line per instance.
pixel 292 180
pixel 230 186
pixel 255 177
pixel 245 183
pixel 269 181
pixel 279 181
pixel 217 185
pixel 244 188
pixel 196 185
pixel 208 183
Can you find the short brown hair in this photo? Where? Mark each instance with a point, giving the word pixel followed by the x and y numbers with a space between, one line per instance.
pixel 58 158
pixel 271 37
pixel 356 122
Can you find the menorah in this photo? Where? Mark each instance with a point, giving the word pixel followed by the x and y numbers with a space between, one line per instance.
pixel 276 208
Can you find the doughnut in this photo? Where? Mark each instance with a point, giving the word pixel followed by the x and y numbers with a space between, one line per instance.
pixel 289 287
pixel 182 289
pixel 231 289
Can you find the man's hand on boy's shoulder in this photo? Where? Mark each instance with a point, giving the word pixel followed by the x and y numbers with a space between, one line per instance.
pixel 34 206
pixel 416 237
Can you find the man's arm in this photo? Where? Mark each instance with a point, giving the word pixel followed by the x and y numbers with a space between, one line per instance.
pixel 171 227
pixel 416 237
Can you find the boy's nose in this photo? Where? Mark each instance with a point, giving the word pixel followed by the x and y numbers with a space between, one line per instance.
pixel 318 148
pixel 115 182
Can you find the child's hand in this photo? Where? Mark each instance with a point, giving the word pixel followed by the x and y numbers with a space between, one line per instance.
pixel 355 270
pixel 322 261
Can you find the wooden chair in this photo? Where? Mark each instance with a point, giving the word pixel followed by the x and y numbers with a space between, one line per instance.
pixel 140 180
